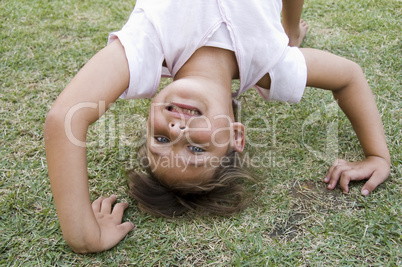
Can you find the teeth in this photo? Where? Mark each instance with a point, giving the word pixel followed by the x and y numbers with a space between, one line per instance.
pixel 191 112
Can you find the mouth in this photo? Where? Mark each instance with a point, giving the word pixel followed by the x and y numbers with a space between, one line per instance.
pixel 186 110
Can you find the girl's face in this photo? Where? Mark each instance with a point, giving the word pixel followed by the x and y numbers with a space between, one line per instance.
pixel 190 130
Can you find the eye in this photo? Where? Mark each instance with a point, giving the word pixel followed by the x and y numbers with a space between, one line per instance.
pixel 196 149
pixel 161 139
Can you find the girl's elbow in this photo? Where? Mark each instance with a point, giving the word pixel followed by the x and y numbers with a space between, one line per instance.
pixel 356 73
pixel 352 77
pixel 78 246
pixel 54 123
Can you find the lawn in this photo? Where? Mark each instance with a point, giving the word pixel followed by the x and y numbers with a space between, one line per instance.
pixel 293 221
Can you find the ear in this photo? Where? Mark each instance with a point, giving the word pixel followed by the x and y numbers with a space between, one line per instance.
pixel 239 139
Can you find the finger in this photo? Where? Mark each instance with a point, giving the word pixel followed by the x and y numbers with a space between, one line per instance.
pixel 328 176
pixel 106 206
pixel 346 177
pixel 118 210
pixel 375 180
pixel 336 175
pixel 96 205
pixel 336 163
pixel 124 228
pixel 116 235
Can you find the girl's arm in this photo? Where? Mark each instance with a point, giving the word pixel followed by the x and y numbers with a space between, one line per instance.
pixel 85 227
pixel 295 28
pixel 347 82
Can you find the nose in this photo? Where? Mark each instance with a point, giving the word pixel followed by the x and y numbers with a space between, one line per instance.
pixel 176 129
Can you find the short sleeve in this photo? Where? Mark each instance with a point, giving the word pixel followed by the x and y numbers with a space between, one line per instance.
pixel 144 55
pixel 288 78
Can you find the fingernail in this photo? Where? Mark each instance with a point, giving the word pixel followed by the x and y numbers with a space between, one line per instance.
pixel 326 179
pixel 365 192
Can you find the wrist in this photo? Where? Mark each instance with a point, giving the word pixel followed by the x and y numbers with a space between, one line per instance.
pixel 82 236
pixel 385 159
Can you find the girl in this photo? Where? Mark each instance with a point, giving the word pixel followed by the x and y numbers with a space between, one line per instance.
pixel 203 45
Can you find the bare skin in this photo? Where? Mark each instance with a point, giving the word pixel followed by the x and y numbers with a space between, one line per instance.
pixel 349 86
pixel 96 227
pixel 203 83
pixel 296 37
pixel 294 26
pixel 86 228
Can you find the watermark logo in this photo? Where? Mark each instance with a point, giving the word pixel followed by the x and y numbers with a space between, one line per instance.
pixel 261 133
pixel 196 129
pixel 330 151
pixel 266 160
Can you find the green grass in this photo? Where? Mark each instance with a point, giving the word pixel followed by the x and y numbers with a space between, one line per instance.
pixel 294 220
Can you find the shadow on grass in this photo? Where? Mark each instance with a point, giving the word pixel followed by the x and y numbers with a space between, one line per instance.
pixel 309 199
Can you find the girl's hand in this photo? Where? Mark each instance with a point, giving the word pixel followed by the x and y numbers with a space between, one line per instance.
pixel 373 168
pixel 112 231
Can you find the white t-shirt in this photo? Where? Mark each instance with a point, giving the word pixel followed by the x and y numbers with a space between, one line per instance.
pixel 172 30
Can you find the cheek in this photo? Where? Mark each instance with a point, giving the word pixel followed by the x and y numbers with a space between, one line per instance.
pixel 199 123
pixel 221 136
pixel 199 137
pixel 156 125
pixel 214 132
pixel 221 132
pixel 217 137
pixel 199 130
